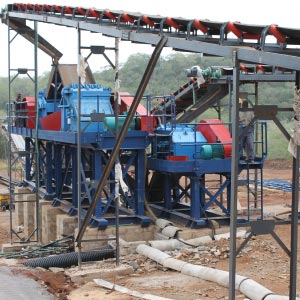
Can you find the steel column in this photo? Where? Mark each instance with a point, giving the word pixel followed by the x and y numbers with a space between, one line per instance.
pixel 294 217
pixel 96 164
pixel 195 198
pixel 96 175
pixel 140 171
pixel 167 191
pixel 234 175
pixel 75 177
pixel 27 159
pixel 78 143
pixel 49 168
pixel 58 168
pixel 202 191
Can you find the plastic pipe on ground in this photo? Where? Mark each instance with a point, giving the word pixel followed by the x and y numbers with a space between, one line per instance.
pixel 254 290
pixel 170 231
pixel 199 241
pixel 152 253
pixel 239 234
pixel 166 245
pixel 247 286
pixel 162 223
pixel 172 244
pixel 278 297
pixel 70 259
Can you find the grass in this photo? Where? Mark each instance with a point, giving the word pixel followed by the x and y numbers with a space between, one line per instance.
pixel 277 143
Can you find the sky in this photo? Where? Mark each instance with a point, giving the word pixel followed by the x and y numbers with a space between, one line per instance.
pixel 262 12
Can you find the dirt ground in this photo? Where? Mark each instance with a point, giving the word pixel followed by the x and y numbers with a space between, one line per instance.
pixel 262 260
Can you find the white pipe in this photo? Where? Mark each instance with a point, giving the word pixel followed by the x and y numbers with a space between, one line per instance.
pixel 152 253
pixel 172 244
pixel 166 245
pixel 200 241
pixel 239 234
pixel 174 264
pixel 170 231
pixel 162 223
pixel 219 276
pixel 277 297
pixel 254 290
pixel 248 287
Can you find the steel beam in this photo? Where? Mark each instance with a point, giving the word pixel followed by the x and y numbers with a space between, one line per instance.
pixel 49 167
pixel 294 217
pixel 268 58
pixel 234 176
pixel 28 33
pixel 246 54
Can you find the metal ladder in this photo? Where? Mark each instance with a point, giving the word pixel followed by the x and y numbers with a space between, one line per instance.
pixel 254 188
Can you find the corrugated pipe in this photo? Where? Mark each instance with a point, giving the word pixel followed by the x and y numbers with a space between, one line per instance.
pixel 247 286
pixel 71 259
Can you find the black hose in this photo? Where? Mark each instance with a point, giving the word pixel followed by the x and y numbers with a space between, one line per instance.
pixel 71 259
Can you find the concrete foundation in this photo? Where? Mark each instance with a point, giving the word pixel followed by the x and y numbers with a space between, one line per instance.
pixel 65 225
pixel 29 214
pixel 19 206
pixel 16 247
pixel 54 224
pixel 49 228
pixel 130 233
pixel 43 205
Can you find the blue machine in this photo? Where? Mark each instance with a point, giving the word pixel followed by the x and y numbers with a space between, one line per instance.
pixel 182 140
pixel 94 99
pixel 182 187
pixel 57 144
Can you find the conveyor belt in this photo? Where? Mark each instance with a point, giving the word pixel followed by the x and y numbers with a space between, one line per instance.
pixel 205 97
pixel 17 140
pixel 189 28
pixel 197 99
pixel 193 35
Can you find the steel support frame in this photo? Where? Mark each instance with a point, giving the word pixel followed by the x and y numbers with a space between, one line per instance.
pixel 35 234
pixel 137 193
pixel 198 190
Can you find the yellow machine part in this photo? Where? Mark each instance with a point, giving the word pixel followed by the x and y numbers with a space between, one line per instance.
pixel 4 200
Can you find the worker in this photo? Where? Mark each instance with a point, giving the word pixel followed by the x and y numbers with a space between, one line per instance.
pixel 20 114
pixel 248 133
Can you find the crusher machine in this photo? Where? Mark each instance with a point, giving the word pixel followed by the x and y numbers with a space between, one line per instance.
pixel 163 162
pixel 191 171
pixel 57 134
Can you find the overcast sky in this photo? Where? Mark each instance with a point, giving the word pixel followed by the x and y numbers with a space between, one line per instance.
pixel 262 12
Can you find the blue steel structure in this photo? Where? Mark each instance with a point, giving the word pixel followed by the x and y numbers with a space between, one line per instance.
pixel 58 152
pixel 154 143
pixel 174 180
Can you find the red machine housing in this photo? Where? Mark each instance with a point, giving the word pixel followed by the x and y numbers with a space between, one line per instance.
pixel 31 114
pixel 52 121
pixel 216 132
